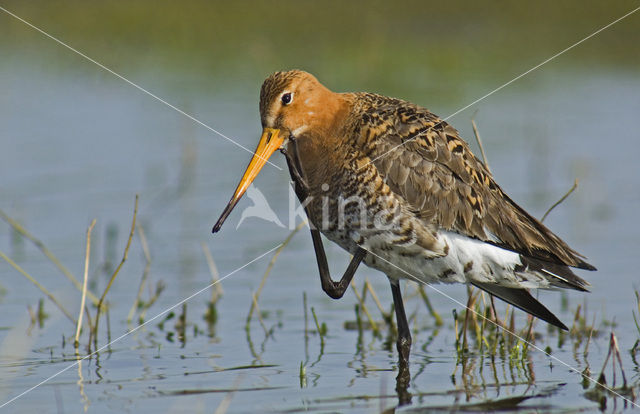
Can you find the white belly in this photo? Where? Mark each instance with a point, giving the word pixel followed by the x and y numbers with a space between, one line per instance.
pixel 467 260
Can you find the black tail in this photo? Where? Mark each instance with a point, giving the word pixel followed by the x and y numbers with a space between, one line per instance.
pixel 522 299
pixel 558 275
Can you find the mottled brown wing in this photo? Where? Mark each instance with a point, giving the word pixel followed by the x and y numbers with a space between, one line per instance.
pixel 424 160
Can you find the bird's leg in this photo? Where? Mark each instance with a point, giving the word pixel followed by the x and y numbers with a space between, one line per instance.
pixel 404 334
pixel 402 383
pixel 334 289
pixel 299 184
pixel 296 155
pixel 404 346
pixel 295 170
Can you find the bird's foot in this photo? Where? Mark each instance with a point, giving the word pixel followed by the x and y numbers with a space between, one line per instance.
pixel 404 348
pixel 402 382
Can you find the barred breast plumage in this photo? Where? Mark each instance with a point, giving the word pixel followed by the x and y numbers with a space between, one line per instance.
pixel 398 188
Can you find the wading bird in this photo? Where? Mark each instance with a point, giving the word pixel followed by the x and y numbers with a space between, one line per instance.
pixel 396 186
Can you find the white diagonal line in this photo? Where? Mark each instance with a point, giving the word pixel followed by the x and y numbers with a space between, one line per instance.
pixel 137 327
pixel 510 82
pixel 417 280
pixel 132 83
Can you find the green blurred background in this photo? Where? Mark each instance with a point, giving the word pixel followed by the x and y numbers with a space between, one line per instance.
pixel 413 48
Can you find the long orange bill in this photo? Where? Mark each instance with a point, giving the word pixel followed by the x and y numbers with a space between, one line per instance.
pixel 269 143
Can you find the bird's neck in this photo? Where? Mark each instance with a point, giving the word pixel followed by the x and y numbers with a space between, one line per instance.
pixel 323 147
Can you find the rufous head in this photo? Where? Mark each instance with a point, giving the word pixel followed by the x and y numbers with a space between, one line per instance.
pixel 292 103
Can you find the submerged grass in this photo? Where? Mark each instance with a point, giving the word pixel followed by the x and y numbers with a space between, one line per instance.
pixel 83 287
pixel 564 197
pixel 284 244
pixel 363 307
pixel 138 303
pixel 84 283
pixel 479 340
pixel 115 273
pixel 475 337
pixel 22 231
pixel 43 289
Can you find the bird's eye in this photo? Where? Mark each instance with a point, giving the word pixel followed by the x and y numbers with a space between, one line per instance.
pixel 287 98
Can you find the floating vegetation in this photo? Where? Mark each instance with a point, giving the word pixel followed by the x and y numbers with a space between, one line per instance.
pixel 114 275
pixel 493 350
pixel 484 335
pixel 18 229
pixel 82 287
pixel 38 316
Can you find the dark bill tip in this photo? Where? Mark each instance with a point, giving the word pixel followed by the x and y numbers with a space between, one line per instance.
pixel 225 214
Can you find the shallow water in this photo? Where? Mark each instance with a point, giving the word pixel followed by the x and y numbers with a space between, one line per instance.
pixel 78 143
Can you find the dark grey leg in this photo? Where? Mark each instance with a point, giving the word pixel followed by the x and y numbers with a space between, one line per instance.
pixel 331 288
pixel 404 346
pixel 334 289
pixel 404 334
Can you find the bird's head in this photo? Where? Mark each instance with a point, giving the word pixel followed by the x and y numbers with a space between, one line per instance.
pixel 292 104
